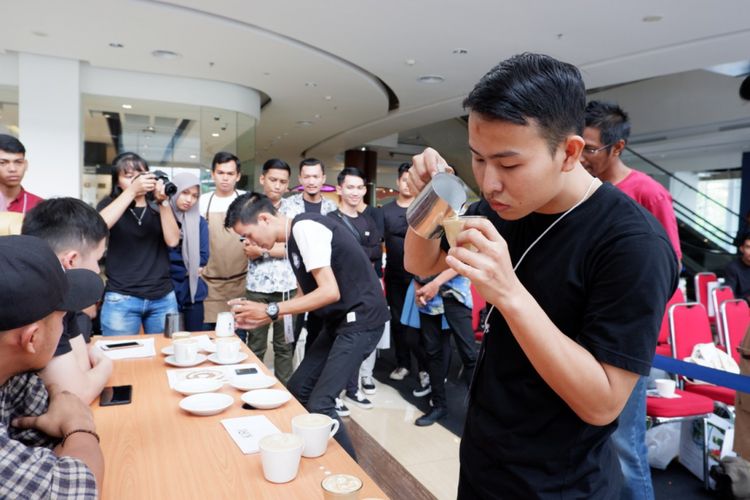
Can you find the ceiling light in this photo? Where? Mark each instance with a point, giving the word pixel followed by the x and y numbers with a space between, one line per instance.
pixel 165 54
pixel 316 116
pixel 107 115
pixel 127 106
pixel 363 148
pixel 652 19
pixel 116 45
pixel 328 98
pixel 304 123
pixel 311 84
pixel 193 157
pixel 410 62
pixel 460 52
pixel 430 79
pixel 215 134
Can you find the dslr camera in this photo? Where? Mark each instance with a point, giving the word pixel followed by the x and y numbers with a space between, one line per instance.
pixel 169 187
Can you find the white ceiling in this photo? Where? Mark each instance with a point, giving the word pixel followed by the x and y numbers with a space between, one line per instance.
pixel 300 52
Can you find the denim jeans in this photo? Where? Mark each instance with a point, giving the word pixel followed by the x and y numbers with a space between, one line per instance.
pixel 629 442
pixel 124 314
pixel 324 371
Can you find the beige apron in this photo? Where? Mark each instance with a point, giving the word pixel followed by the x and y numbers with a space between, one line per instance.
pixel 226 269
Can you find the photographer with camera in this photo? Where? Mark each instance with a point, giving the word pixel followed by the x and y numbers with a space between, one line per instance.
pixel 142 229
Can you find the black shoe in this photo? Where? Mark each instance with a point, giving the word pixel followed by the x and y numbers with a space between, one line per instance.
pixel 433 416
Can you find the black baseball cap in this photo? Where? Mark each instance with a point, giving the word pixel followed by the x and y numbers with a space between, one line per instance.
pixel 33 283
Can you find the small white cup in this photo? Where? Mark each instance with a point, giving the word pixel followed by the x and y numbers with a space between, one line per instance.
pixel 180 335
pixel 280 455
pixel 224 324
pixel 315 430
pixel 227 349
pixel 185 350
pixel 665 387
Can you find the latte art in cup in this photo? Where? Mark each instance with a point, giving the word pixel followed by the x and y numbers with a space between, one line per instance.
pixel 312 420
pixel 341 486
pixel 454 225
pixel 316 430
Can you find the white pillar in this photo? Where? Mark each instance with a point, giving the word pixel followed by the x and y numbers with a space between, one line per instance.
pixel 49 107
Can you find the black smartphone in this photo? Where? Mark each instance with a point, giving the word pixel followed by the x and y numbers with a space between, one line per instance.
pixel 117 395
pixel 120 345
pixel 246 371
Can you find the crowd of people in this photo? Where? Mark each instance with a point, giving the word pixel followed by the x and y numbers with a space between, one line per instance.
pixel 567 345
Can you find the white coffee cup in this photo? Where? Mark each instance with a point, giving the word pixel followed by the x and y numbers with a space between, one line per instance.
pixel 665 387
pixel 341 487
pixel 224 324
pixel 315 430
pixel 180 335
pixel 227 349
pixel 185 350
pixel 280 455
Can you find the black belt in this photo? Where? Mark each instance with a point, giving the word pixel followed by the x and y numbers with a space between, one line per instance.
pixel 241 275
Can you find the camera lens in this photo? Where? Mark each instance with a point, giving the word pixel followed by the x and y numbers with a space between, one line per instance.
pixel 170 188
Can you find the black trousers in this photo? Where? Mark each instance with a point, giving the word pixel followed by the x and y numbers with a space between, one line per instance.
pixel 406 340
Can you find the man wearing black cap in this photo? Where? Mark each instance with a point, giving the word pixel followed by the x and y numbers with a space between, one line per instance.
pixel 48 444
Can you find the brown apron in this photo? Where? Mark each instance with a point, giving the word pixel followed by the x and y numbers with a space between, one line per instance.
pixel 226 269
pixel 742 404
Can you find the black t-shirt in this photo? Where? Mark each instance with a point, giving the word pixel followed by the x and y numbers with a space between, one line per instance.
pixel 737 277
pixel 70 330
pixel 603 275
pixel 361 305
pixel 311 207
pixel 137 261
pixel 395 233
pixel 365 230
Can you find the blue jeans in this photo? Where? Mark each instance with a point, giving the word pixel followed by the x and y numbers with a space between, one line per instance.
pixel 322 375
pixel 124 314
pixel 629 442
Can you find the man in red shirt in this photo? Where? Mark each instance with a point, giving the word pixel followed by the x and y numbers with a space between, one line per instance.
pixel 606 134
pixel 13 165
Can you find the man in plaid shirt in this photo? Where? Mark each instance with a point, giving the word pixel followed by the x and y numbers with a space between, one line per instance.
pixel 48 444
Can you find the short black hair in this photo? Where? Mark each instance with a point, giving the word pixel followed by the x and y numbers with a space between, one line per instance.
pixel 611 121
pixel 66 224
pixel 10 144
pixel 403 168
pixel 224 157
pixel 533 86
pixel 246 207
pixel 307 162
pixel 125 162
pixel 353 171
pixel 275 163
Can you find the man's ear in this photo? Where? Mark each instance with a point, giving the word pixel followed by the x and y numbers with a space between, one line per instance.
pixel 618 147
pixel 28 338
pixel 69 259
pixel 264 217
pixel 338 190
pixel 572 148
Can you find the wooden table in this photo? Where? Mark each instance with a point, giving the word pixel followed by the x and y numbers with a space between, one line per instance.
pixel 153 449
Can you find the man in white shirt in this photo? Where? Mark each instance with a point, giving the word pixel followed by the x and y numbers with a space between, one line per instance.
pixel 227 265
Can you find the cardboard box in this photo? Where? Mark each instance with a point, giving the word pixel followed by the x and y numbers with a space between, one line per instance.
pixel 719 444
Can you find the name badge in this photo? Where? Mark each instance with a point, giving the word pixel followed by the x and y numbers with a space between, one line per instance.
pixel 351 317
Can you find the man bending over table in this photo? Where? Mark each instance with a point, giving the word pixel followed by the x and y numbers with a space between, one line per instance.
pixel 577 274
pixel 336 282
pixel 48 444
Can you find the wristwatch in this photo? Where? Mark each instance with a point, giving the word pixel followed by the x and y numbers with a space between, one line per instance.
pixel 272 309
pixel 164 203
pixel 265 255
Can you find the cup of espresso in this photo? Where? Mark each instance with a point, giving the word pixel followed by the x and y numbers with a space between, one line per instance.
pixel 185 350
pixel 224 324
pixel 227 349
pixel 454 225
pixel 315 429
pixel 280 455
pixel 665 387
pixel 341 487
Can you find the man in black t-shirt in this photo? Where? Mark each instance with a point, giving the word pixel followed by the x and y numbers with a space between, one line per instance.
pixel 737 272
pixel 563 260
pixel 336 283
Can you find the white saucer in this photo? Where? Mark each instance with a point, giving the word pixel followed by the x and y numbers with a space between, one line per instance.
pixel 197 386
pixel 169 350
pixel 241 356
pixel 250 382
pixel 200 358
pixel 265 399
pixel 209 403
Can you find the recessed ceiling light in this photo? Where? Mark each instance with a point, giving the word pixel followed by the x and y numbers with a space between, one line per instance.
pixel 116 45
pixel 410 62
pixel 460 52
pixel 316 116
pixel 304 123
pixel 311 84
pixel 363 148
pixel 127 106
pixel 652 19
pixel 166 54
pixel 215 134
pixel 430 79
pixel 193 157
pixel 328 98
pixel 107 115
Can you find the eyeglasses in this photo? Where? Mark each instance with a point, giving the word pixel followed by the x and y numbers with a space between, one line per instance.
pixel 593 151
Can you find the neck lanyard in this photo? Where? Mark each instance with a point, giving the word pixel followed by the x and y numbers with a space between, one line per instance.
pixel 208 207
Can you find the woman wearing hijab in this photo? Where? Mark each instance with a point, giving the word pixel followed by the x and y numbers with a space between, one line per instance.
pixel 188 258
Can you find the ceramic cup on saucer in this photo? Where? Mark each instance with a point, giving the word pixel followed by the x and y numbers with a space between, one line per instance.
pixel 315 429
pixel 185 350
pixel 280 455
pixel 341 487
pixel 665 387
pixel 227 349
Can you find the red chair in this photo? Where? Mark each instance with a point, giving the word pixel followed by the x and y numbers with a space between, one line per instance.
pixel 718 296
pixel 688 324
pixel 734 318
pixel 701 281
pixel 662 343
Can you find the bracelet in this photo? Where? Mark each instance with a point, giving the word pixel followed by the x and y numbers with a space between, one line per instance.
pixel 68 434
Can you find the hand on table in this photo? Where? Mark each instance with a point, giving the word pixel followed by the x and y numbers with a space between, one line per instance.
pixel 66 412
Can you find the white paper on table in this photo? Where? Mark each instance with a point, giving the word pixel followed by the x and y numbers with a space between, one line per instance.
pixel 248 431
pixel 219 372
pixel 144 349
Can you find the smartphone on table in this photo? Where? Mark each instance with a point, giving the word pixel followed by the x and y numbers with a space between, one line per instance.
pixel 116 395
pixel 120 345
